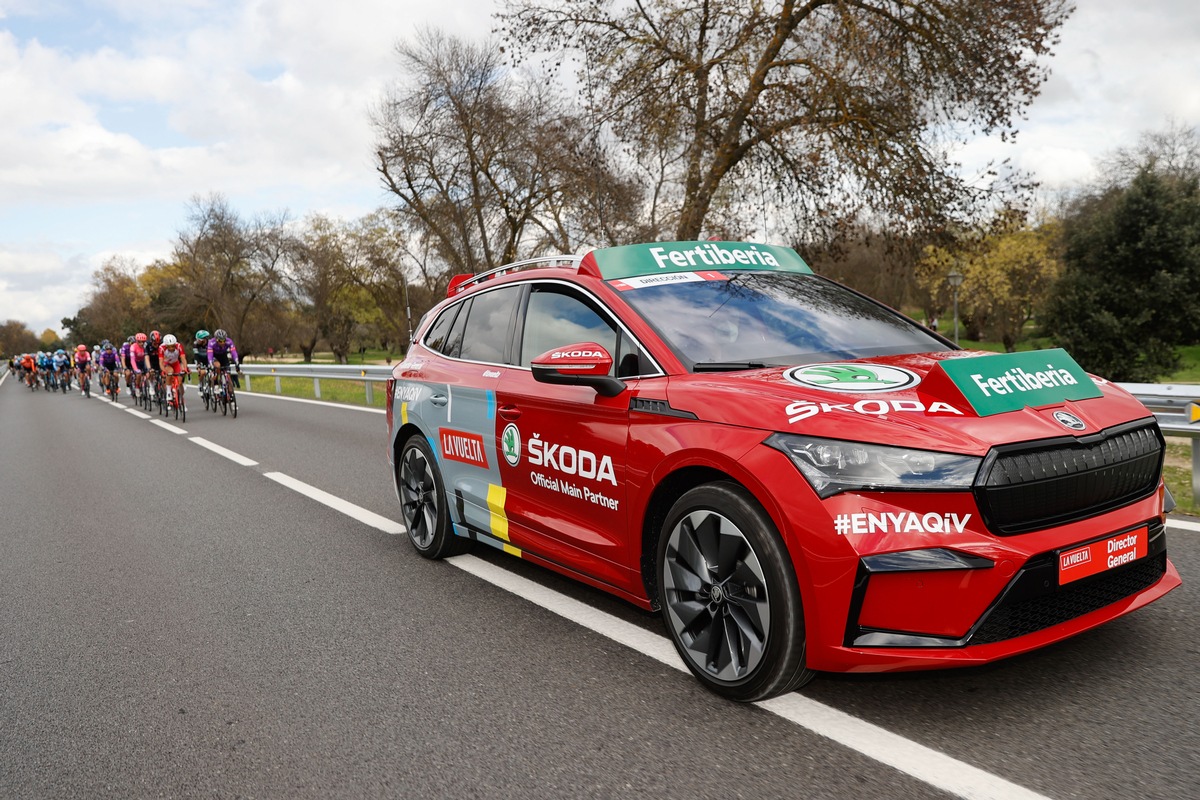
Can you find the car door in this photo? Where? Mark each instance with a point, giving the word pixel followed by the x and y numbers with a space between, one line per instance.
pixel 454 403
pixel 564 447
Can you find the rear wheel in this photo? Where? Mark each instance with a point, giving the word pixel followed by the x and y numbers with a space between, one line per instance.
pixel 423 501
pixel 729 595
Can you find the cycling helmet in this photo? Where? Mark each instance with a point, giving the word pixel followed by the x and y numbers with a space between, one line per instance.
pixel 141 338
pixel 81 347
pixel 130 340
pixel 60 352
pixel 108 345
pixel 155 336
pixel 169 340
pixel 202 334
pixel 220 334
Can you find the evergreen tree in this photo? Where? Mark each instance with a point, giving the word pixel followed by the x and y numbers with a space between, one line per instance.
pixel 1130 289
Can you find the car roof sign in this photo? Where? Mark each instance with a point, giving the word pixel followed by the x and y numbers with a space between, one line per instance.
pixel 637 260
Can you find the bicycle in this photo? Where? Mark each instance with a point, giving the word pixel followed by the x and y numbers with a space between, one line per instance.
pixel 64 380
pixel 158 392
pixel 223 394
pixel 204 385
pixel 145 396
pixel 85 381
pixel 111 382
pixel 174 395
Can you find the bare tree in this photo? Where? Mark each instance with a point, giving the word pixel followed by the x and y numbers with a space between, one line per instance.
pixel 232 268
pixel 806 113
pixel 488 166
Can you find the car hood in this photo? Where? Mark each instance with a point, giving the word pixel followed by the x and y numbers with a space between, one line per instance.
pixel 909 401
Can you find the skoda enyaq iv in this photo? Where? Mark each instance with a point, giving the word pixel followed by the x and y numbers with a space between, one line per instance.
pixel 797 477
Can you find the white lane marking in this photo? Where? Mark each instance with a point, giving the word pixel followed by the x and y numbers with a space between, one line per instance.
pixel 221 451
pixel 1183 525
pixel 923 763
pixel 313 402
pixel 337 504
pixel 167 426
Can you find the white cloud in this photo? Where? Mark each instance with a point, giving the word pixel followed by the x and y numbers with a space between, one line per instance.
pixel 116 112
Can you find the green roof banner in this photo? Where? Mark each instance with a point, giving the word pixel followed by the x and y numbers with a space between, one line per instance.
pixel 637 260
pixel 1011 381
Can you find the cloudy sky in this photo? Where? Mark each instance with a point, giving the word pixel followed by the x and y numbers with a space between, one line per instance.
pixel 114 113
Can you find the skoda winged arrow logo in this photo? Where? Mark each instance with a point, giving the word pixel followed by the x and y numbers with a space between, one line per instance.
pixel 1068 420
pixel 510 441
pixel 852 378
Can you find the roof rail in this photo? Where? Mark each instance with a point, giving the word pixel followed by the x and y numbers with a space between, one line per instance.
pixel 541 262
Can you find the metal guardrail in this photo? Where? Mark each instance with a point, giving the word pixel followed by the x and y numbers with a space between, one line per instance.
pixel 1170 402
pixel 370 374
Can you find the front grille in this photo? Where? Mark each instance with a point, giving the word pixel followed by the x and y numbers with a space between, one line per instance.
pixel 1010 620
pixel 1037 485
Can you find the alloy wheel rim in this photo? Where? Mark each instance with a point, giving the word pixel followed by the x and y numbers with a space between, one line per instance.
pixel 418 497
pixel 715 594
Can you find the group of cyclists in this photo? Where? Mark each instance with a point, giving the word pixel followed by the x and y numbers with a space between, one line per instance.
pixel 142 361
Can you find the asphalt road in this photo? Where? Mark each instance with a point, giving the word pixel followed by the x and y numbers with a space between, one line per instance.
pixel 177 624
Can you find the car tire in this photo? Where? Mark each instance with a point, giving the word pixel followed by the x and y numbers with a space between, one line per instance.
pixel 729 596
pixel 423 501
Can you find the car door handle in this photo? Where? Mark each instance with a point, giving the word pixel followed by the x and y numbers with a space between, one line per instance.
pixel 439 399
pixel 510 413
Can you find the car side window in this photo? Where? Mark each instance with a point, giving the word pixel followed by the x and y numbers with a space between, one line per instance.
pixel 435 339
pixel 557 316
pixel 488 325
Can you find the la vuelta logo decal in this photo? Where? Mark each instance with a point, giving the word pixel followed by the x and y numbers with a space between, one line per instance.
pixel 852 378
pixel 463 446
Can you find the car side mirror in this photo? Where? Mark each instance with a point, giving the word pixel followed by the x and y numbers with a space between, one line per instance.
pixel 582 364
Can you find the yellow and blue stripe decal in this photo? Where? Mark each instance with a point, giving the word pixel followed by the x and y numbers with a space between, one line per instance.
pixel 490 397
pixel 497 495
pixel 404 413
pixel 498 535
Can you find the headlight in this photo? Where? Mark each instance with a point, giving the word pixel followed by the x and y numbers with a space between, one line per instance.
pixel 833 466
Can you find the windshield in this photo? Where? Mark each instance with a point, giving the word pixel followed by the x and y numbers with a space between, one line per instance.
pixel 747 319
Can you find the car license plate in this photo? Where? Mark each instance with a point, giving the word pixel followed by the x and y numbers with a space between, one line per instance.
pixel 1106 554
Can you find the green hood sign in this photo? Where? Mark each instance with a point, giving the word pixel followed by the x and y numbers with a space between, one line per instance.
pixel 1012 381
pixel 637 260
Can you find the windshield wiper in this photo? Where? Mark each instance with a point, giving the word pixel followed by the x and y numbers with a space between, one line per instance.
pixel 726 366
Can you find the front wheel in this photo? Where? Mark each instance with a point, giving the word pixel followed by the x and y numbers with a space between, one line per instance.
pixel 423 501
pixel 729 596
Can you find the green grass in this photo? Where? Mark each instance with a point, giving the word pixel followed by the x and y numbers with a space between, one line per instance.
pixel 1189 369
pixel 1178 473
pixel 352 393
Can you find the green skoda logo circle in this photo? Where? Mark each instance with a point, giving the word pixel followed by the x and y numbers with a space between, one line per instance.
pixel 852 378
pixel 510 444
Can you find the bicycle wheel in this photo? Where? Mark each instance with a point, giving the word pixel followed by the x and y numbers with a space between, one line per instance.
pixel 181 400
pixel 233 402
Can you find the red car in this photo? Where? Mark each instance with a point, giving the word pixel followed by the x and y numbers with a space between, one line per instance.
pixel 798 477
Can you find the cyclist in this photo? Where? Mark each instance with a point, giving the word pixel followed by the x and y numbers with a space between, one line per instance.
pixel 150 364
pixel 108 363
pixel 29 367
pixel 124 351
pixel 61 364
pixel 43 367
pixel 172 359
pixel 137 361
pixel 200 354
pixel 83 363
pixel 221 350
